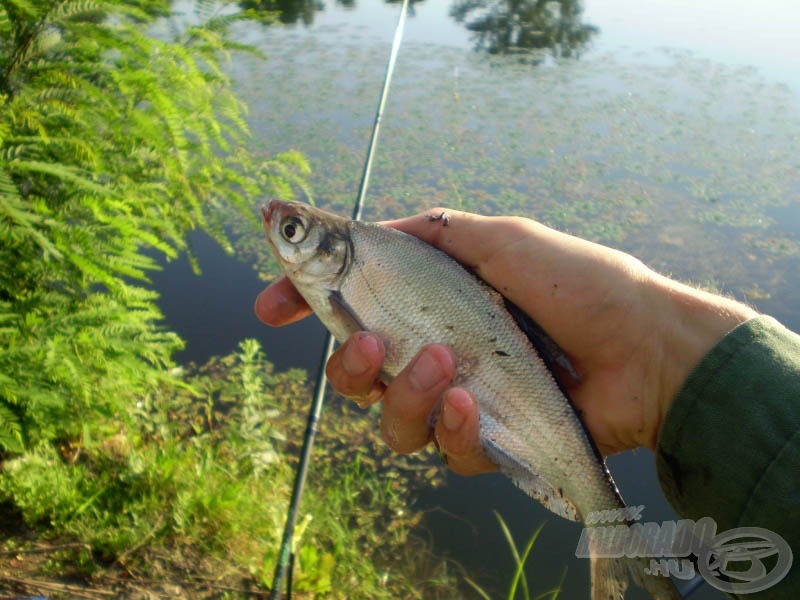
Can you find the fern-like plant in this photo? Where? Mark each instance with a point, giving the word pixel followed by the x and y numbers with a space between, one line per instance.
pixel 119 133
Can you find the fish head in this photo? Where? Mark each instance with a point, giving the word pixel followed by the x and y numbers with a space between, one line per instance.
pixel 312 246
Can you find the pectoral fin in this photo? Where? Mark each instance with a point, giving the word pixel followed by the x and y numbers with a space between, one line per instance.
pixel 347 323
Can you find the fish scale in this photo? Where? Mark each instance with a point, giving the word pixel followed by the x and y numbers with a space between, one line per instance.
pixel 363 276
pixel 514 388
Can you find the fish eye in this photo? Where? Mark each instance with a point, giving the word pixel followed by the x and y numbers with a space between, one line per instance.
pixel 293 229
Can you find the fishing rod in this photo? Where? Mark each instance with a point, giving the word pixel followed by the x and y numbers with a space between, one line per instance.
pixel 286 555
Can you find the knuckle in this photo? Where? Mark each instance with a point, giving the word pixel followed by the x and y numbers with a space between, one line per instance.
pixel 399 440
pixel 373 396
pixel 367 399
pixel 405 408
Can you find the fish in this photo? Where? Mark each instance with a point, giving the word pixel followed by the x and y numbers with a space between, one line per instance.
pixel 359 276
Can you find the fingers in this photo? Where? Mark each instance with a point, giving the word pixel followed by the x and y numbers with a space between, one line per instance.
pixel 354 371
pixel 354 368
pixel 458 434
pixel 280 304
pixel 411 399
pixel 413 396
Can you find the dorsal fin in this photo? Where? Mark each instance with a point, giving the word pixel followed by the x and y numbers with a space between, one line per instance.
pixel 552 355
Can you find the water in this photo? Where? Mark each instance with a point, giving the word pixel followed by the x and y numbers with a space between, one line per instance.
pixel 213 313
pixel 674 136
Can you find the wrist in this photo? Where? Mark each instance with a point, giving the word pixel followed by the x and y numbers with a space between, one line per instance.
pixel 692 322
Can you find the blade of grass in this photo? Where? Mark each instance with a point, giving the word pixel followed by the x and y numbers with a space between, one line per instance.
pixel 520 572
pixel 478 589
pixel 552 594
pixel 515 553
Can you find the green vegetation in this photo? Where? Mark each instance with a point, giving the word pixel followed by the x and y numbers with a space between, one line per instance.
pixel 519 581
pixel 119 134
pixel 195 479
pixel 114 143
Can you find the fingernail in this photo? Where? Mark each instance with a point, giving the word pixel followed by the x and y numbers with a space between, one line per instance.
pixel 355 360
pixel 452 418
pixel 456 405
pixel 430 368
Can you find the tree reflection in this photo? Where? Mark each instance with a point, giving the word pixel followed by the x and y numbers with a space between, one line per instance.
pixel 526 26
pixel 411 4
pixel 291 11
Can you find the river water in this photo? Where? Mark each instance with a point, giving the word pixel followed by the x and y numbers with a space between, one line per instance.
pixel 669 129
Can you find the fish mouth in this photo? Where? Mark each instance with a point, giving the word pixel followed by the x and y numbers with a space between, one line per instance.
pixel 266 212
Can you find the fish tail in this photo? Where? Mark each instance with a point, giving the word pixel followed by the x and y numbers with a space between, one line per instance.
pixel 610 578
pixel 659 587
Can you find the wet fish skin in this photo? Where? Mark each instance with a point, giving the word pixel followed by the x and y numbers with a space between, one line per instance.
pixel 362 276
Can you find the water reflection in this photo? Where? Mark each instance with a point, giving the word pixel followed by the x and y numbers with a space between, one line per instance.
pixel 533 29
pixel 410 4
pixel 291 11
pixel 526 26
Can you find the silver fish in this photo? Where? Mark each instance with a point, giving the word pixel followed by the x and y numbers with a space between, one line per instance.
pixel 363 276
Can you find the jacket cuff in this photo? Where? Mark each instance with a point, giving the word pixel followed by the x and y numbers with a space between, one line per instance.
pixel 729 447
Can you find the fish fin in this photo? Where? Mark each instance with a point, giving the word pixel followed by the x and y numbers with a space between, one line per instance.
pixel 550 352
pixel 531 482
pixel 559 365
pixel 658 586
pixel 610 574
pixel 345 317
pixel 609 578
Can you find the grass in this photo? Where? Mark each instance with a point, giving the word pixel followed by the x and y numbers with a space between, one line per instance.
pixel 195 480
pixel 518 586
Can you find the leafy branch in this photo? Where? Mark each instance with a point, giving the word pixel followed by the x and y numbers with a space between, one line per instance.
pixel 116 139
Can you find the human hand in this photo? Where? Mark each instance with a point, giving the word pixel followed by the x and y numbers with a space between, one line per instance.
pixel 632 335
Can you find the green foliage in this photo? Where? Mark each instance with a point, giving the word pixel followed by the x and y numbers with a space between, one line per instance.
pixel 116 139
pixel 205 469
pixel 520 560
pixel 10 429
pixel 119 134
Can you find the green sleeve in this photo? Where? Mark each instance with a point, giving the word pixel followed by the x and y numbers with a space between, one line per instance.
pixel 729 447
